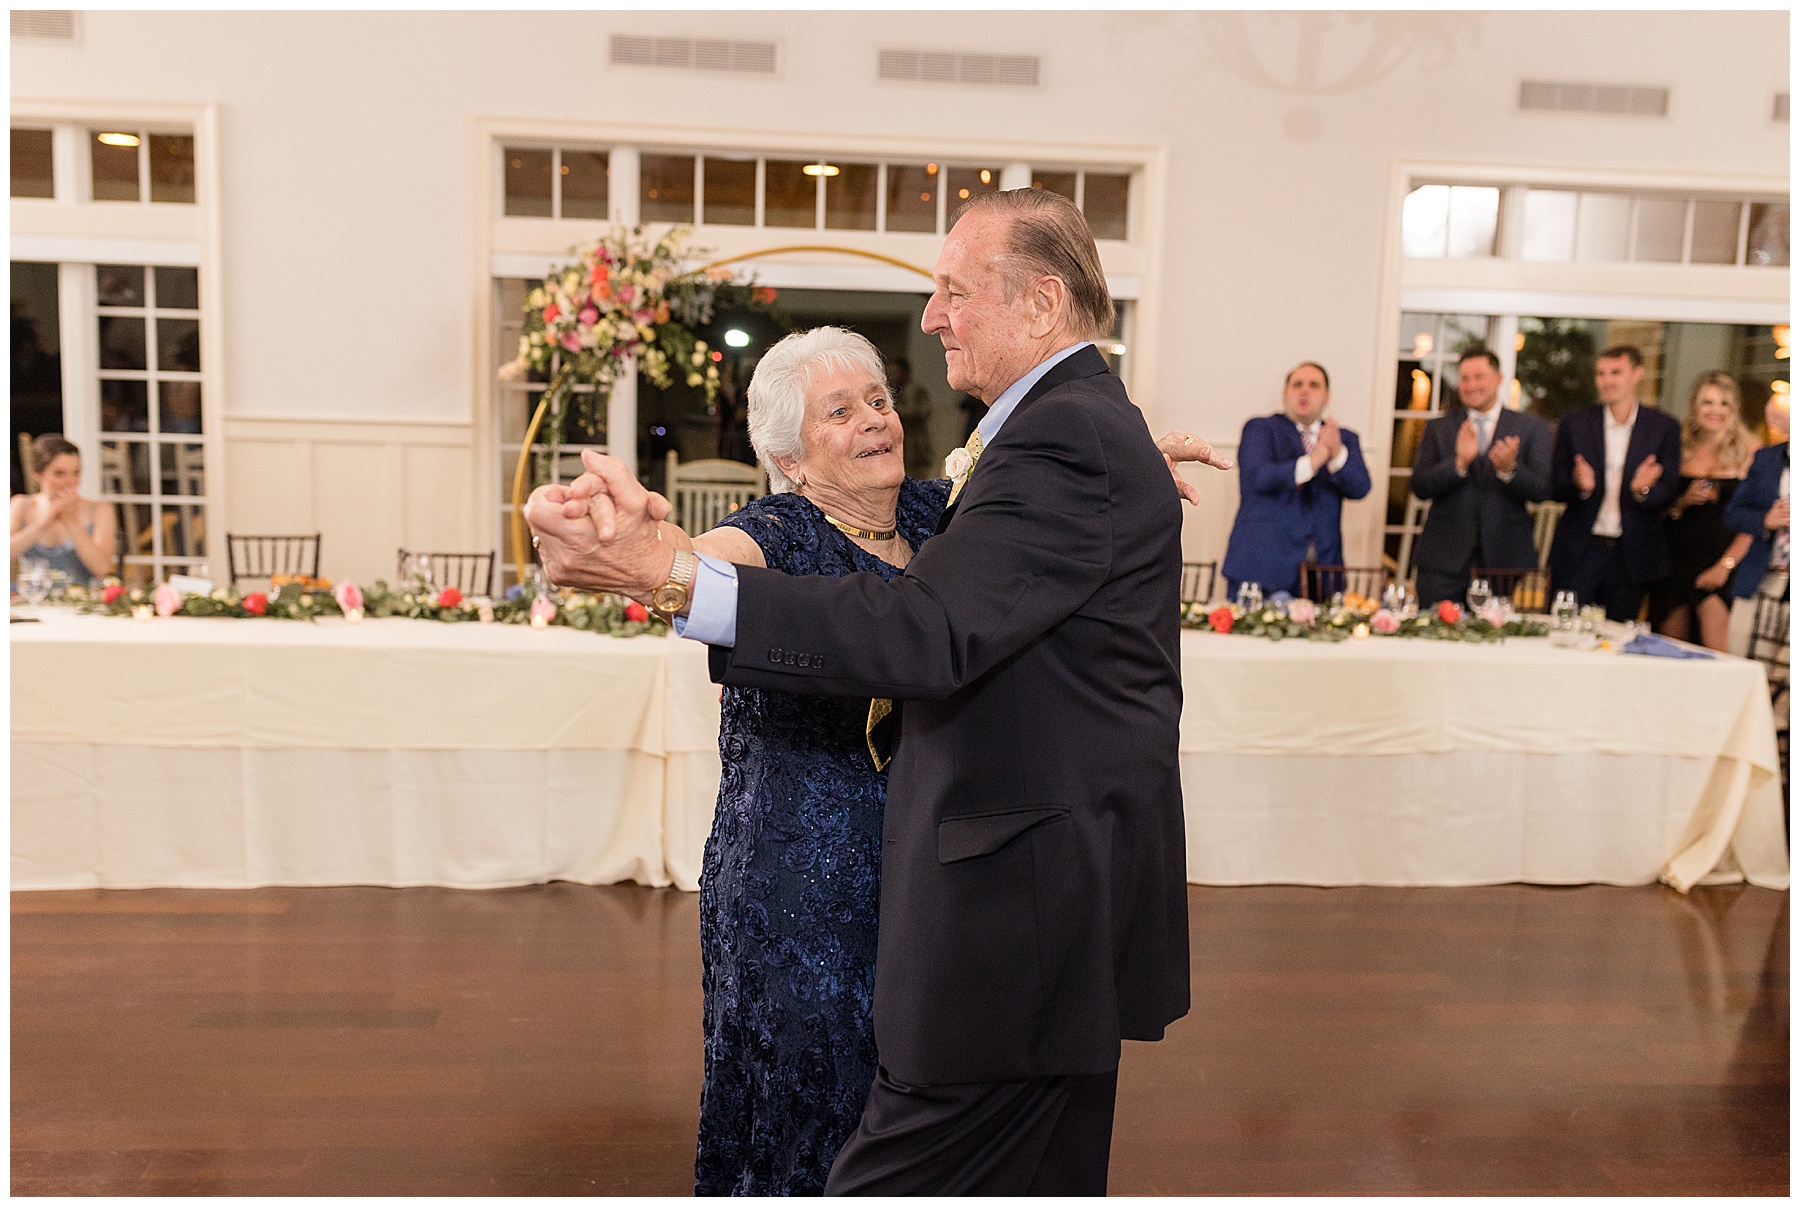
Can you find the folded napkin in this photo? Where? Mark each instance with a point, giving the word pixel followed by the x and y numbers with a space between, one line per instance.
pixel 1662 647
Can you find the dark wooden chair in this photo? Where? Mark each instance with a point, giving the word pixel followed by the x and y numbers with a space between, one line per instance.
pixel 1529 590
pixel 1769 646
pixel 1319 583
pixel 263 557
pixel 470 573
pixel 1198 579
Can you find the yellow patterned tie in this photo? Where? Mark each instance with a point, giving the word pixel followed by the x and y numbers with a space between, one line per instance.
pixel 880 707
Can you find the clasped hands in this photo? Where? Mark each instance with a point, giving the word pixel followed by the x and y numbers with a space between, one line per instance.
pixel 601 532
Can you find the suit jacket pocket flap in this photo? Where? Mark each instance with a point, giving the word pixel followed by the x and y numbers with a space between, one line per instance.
pixel 968 837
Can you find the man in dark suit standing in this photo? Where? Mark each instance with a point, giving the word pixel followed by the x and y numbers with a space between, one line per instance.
pixel 1617 466
pixel 1295 470
pixel 1033 896
pixel 1478 464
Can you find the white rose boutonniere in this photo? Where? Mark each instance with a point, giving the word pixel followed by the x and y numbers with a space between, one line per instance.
pixel 958 465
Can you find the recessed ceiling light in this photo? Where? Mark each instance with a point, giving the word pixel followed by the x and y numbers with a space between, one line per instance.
pixel 119 140
pixel 820 169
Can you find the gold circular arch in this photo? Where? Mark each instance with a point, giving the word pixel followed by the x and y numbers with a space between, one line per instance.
pixel 537 417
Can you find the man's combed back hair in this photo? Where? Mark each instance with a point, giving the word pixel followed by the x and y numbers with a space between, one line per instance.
pixel 1048 237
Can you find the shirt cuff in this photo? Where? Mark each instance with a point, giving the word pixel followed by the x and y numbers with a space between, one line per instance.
pixel 1303 470
pixel 1507 476
pixel 1339 459
pixel 712 608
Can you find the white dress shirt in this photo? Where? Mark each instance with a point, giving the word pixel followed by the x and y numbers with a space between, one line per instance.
pixel 1309 435
pixel 712 608
pixel 1610 521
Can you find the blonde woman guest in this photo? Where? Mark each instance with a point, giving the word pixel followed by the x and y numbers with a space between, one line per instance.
pixel 56 525
pixel 1716 451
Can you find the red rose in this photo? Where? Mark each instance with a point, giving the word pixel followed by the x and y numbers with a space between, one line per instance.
pixel 256 603
pixel 636 613
pixel 550 313
pixel 1221 619
pixel 449 597
pixel 763 294
pixel 112 594
pixel 1448 612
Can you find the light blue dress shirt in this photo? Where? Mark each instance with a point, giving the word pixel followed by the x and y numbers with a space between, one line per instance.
pixel 712 609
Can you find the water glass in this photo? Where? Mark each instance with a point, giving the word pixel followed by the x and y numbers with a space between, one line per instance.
pixel 34 580
pixel 1249 596
pixel 1479 596
pixel 1565 616
pixel 1592 617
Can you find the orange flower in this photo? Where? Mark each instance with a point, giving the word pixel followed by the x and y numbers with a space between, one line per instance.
pixel 449 597
pixel 636 613
pixel 1221 619
pixel 550 313
pixel 763 294
pixel 1448 612
pixel 256 603
pixel 662 312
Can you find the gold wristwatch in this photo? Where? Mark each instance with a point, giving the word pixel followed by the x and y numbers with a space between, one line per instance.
pixel 672 596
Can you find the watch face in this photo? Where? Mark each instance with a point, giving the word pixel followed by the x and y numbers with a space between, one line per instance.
pixel 668 598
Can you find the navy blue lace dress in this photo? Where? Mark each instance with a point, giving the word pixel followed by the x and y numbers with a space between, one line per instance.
pixel 788 896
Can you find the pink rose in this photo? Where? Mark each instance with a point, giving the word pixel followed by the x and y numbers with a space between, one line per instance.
pixel 168 600
pixel 571 342
pixel 1494 614
pixel 349 596
pixel 1302 611
pixel 627 294
pixel 1384 622
pixel 544 608
pixel 588 316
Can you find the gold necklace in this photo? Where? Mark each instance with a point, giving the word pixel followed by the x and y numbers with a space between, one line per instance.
pixel 863 533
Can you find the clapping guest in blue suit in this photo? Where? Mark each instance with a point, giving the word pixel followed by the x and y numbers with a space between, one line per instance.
pixel 1295 470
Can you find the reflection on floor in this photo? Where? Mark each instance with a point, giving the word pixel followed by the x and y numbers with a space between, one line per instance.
pixel 1507 1040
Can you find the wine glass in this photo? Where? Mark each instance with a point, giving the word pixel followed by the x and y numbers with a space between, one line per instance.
pixel 1564 617
pixel 1479 596
pixel 1249 596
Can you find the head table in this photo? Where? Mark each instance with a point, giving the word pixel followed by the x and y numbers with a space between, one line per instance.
pixel 231 753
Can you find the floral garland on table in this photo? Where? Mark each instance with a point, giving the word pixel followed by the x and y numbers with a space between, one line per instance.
pixel 311 599
pixel 622 296
pixel 1282 618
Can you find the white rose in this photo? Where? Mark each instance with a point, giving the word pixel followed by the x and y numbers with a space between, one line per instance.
pixel 958 464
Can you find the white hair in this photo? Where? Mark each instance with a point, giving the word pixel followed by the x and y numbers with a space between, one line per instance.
pixel 777 393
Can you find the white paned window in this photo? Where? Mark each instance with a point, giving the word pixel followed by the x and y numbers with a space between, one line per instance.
pixel 152 458
pixel 137 165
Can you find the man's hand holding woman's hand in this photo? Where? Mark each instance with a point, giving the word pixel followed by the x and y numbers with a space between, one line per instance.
pixel 600 532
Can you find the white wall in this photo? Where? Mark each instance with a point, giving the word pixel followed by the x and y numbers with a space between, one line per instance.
pixel 348 187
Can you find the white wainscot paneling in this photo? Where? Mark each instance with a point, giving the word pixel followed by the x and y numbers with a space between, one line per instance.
pixel 369 489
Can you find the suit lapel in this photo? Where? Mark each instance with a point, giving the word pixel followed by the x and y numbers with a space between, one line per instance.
pixel 1086 363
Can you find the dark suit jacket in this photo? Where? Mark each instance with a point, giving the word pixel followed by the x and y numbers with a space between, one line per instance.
pixel 1034 878
pixel 1479 506
pixel 1643 542
pixel 1276 520
pixel 1750 502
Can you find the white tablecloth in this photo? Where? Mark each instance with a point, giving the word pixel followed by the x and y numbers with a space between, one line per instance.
pixel 230 753
pixel 220 753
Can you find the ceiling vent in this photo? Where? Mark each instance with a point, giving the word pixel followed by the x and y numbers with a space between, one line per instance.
pixel 1623 100
pixel 694 54
pixel 955 67
pixel 49 24
pixel 1781 107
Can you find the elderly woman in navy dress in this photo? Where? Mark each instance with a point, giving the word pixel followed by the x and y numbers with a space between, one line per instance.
pixel 792 874
pixel 790 883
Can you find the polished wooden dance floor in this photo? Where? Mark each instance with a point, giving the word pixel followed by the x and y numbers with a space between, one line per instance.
pixel 1508 1040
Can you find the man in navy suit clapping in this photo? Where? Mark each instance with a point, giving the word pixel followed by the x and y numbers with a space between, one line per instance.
pixel 1295 471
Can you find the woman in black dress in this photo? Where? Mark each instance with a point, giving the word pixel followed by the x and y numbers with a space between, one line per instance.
pixel 1716 449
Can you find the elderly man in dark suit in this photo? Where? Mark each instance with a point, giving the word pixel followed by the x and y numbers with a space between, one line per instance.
pixel 1617 465
pixel 1479 464
pixel 1033 895
pixel 1295 470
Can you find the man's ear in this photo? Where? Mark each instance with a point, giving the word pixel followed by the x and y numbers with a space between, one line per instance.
pixel 1049 305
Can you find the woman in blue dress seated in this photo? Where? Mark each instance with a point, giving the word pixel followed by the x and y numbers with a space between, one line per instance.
pixel 56 526
pixel 792 873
